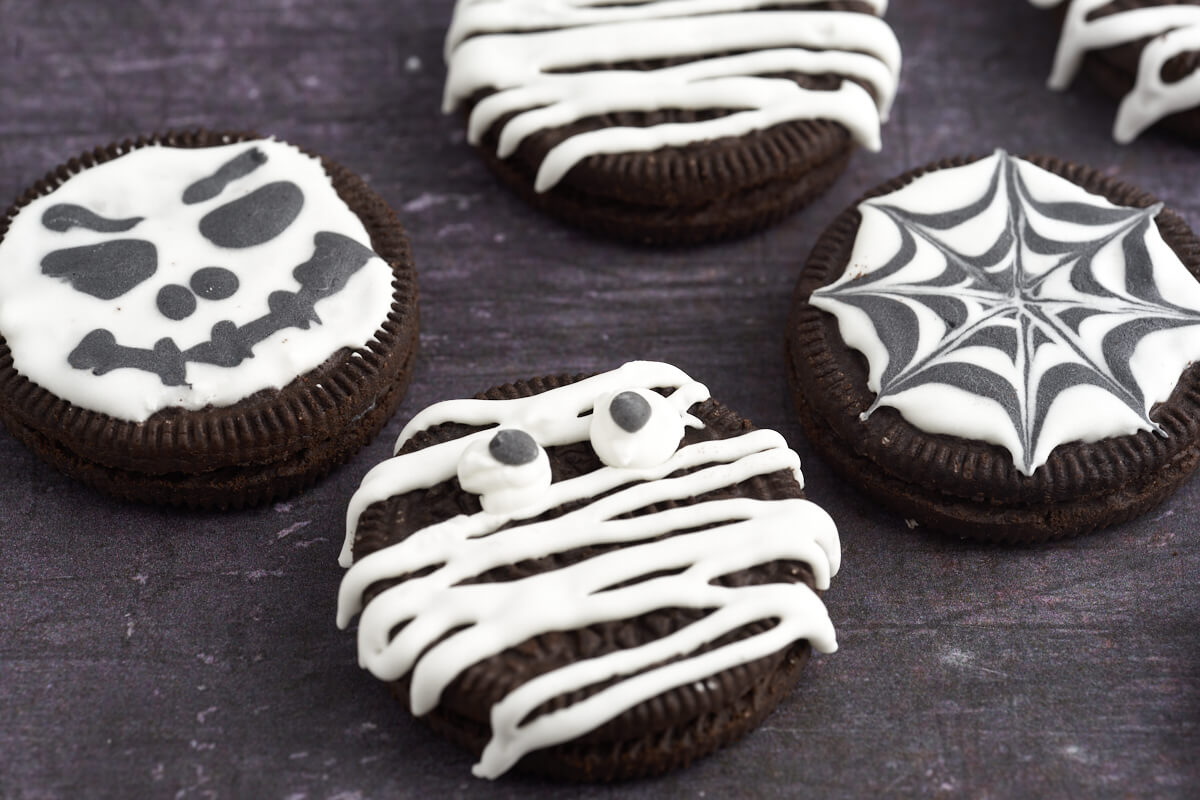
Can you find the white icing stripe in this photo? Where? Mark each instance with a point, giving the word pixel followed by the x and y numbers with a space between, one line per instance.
pixel 801 615
pixel 475 17
pixel 757 453
pixel 1000 302
pixel 719 86
pixel 735 534
pixel 774 102
pixel 1174 29
pixel 1152 98
pixel 439 604
pixel 522 67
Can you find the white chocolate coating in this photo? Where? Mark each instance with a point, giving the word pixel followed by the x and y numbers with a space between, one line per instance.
pixel 43 318
pixel 519 47
pixel 1000 302
pixel 738 534
pixel 1173 29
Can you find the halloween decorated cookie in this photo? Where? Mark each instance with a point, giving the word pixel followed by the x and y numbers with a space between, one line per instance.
pixel 671 121
pixel 1003 348
pixel 593 578
pixel 1144 52
pixel 201 319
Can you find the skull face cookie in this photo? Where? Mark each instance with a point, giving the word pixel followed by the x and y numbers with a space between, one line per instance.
pixel 592 578
pixel 201 319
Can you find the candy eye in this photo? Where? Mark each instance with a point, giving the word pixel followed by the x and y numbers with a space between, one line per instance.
pixel 508 470
pixel 635 428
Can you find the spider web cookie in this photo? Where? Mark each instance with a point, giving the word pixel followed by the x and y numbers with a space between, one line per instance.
pixel 1003 347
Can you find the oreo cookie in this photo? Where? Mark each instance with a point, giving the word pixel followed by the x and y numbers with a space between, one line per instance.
pixel 591 578
pixel 202 319
pixel 1144 52
pixel 671 121
pixel 1003 348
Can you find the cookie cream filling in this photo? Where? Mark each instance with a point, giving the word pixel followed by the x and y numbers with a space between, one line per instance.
pixel 541 57
pixel 448 625
pixel 1172 30
pixel 187 277
pixel 1000 302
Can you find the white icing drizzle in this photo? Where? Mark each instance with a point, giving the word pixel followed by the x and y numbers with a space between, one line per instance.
pixel 1173 29
pixel 738 534
pixel 517 47
pixel 44 319
pixel 1000 302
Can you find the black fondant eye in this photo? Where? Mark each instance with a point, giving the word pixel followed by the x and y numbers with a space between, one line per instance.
pixel 630 410
pixel 254 219
pixel 513 447
pixel 175 301
pixel 106 270
pixel 214 283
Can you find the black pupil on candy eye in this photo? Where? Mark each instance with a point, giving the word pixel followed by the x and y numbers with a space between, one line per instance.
pixel 175 301
pixel 513 447
pixel 630 411
pixel 214 283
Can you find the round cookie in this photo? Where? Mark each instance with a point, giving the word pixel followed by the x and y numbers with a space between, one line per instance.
pixel 202 319
pixel 591 578
pixel 1003 348
pixel 1144 52
pixel 671 121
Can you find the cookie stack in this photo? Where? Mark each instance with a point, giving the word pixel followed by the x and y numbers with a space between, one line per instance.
pixel 203 320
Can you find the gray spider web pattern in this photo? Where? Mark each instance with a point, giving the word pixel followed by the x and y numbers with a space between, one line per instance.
pixel 994 300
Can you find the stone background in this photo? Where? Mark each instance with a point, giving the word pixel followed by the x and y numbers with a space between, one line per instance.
pixel 150 653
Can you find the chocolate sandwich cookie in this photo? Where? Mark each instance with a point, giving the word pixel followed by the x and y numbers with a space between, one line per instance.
pixel 671 121
pixel 1144 52
pixel 201 319
pixel 1003 348
pixel 592 578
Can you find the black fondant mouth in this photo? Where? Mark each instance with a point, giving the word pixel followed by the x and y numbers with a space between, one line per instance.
pixel 336 258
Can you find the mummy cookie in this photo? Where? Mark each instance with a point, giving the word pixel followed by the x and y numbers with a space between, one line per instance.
pixel 593 578
pixel 202 319
pixel 671 121
pixel 1146 52
pixel 1003 348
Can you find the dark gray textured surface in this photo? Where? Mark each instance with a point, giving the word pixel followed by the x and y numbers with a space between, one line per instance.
pixel 153 653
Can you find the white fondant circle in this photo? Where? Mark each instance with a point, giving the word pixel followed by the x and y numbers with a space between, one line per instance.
pixel 43 318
